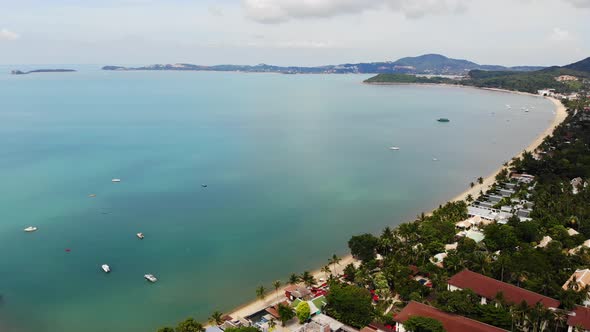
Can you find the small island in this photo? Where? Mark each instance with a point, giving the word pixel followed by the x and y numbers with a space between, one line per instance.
pixel 20 72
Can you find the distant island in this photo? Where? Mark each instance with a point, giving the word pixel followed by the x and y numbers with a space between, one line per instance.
pixel 552 80
pixel 19 72
pixel 429 64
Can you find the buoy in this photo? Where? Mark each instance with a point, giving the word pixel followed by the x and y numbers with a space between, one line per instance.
pixel 68 250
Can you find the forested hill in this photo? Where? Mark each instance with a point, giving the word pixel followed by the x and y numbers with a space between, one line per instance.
pixel 532 81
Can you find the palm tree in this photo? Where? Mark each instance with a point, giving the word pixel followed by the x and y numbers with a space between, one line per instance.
pixel 294 279
pixel 326 270
pixel 472 185
pixel 480 180
pixel 308 279
pixel 260 292
pixel 277 284
pixel 216 318
pixel 469 198
pixel 334 260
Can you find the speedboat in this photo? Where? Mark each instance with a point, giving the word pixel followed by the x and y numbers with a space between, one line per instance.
pixel 140 236
pixel 150 278
pixel 394 148
pixel 434 159
pixel 443 120
pixel 106 268
pixel 116 180
pixel 30 229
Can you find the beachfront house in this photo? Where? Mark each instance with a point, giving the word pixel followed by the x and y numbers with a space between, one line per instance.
pixel 294 292
pixel 450 322
pixel 488 288
pixel 316 305
pixel 488 214
pixel 579 320
pixel 524 178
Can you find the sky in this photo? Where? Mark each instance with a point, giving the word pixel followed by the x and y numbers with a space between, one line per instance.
pixel 292 32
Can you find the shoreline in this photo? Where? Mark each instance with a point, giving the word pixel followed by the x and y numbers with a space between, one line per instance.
pixel 560 115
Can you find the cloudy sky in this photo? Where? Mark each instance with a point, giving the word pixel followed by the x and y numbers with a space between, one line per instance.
pixel 298 32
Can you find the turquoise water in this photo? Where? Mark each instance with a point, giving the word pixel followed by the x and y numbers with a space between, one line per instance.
pixel 295 165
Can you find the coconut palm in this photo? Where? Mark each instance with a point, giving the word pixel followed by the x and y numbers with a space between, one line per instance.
pixel 260 292
pixel 216 318
pixel 326 270
pixel 480 180
pixel 277 284
pixel 308 279
pixel 472 185
pixel 294 279
pixel 334 260
pixel 469 198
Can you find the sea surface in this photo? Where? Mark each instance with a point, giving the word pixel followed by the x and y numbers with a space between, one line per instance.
pixel 295 165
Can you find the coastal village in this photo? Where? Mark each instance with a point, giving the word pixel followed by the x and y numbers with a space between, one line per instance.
pixel 512 254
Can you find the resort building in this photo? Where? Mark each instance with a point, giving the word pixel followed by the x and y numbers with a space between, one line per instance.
pixel 565 78
pixel 524 178
pixel 579 320
pixel 575 250
pixel 544 242
pixel 438 259
pixel 578 282
pixel 450 322
pixel 572 232
pixel 488 288
pixel 489 214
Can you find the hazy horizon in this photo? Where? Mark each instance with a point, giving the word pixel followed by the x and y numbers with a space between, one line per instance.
pixel 292 32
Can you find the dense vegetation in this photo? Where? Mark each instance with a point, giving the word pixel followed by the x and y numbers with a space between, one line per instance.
pixel 509 251
pixel 403 78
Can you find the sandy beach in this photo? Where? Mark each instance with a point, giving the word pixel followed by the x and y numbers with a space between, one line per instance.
pixel 560 115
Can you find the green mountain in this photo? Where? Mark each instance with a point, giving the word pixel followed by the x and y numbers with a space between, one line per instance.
pixel 530 81
pixel 583 65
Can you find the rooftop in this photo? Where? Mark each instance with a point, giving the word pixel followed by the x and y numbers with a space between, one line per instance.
pixel 451 323
pixel 580 317
pixel 489 288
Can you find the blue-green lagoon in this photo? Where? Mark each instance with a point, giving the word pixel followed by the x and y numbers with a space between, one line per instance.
pixel 294 164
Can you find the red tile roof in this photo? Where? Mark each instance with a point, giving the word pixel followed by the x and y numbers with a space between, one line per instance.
pixel 580 319
pixel 451 322
pixel 489 288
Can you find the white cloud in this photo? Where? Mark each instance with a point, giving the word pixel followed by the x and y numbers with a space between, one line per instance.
pixel 580 3
pixel 6 34
pixel 559 34
pixel 277 11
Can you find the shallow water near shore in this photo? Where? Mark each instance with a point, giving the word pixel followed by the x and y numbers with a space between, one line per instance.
pixel 295 165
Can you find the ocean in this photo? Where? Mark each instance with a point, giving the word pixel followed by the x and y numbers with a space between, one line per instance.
pixel 294 166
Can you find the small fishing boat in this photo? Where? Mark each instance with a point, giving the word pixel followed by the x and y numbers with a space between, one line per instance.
pixel 140 236
pixel 204 185
pixel 116 180
pixel 150 278
pixel 30 229
pixel 434 159
pixel 394 148
pixel 106 268
pixel 443 120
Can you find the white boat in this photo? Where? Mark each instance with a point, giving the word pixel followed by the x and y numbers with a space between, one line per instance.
pixel 140 236
pixel 116 180
pixel 434 159
pixel 106 268
pixel 30 229
pixel 150 278
pixel 394 148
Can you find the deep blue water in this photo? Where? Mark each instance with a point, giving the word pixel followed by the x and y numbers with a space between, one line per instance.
pixel 294 164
